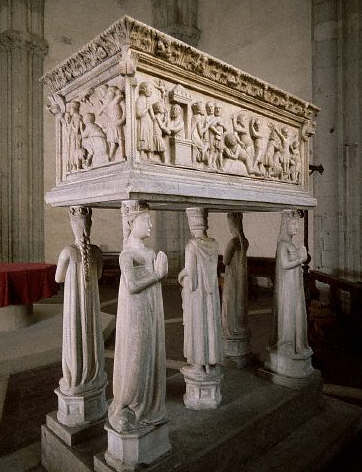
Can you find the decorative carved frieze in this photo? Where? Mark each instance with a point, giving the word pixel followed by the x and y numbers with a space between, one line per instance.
pixel 128 33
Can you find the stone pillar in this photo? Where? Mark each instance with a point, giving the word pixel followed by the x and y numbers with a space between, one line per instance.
pixel 337 80
pixel 203 346
pixel 22 49
pixel 234 314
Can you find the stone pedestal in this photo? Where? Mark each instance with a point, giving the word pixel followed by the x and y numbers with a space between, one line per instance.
pixel 127 451
pixel 180 151
pixel 14 317
pixel 202 390
pixel 76 410
pixel 237 349
pixel 290 370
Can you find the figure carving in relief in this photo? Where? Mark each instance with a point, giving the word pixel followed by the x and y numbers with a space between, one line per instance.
pixel 242 132
pixel 295 167
pixel 65 120
pixel 94 141
pixel 199 128
pixel 271 158
pixel 160 129
pixel 200 298
pixel 113 108
pixel 290 318
pixel 209 138
pixel 176 124
pixel 259 138
pixel 145 118
pixel 235 292
pixel 76 151
pixel 240 161
pixel 285 148
pixel 163 48
pixel 80 267
pixel 220 128
pixel 139 380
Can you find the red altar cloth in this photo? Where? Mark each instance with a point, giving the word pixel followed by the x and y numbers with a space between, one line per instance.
pixel 23 284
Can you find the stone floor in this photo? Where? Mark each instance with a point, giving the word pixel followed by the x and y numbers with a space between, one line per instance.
pixel 30 394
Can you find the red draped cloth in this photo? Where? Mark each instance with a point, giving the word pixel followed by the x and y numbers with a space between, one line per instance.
pixel 23 284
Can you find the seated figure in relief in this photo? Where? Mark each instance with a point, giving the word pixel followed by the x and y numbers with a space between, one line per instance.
pixel 237 160
pixel 80 267
pixel 139 378
pixel 203 347
pixel 94 141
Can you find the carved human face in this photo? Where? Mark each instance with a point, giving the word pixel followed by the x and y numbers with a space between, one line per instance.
pixel 240 119
pixel 235 223
pixel 210 108
pixel 81 226
pixel 218 110
pixel 158 107
pixel 142 226
pixel 292 226
pixel 257 124
pixel 175 111
pixel 285 132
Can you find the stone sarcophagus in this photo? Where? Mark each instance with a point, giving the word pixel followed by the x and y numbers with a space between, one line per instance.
pixel 141 115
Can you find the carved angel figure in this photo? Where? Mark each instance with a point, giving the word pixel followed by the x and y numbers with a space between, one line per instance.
pixel 145 117
pixel 113 108
pixel 139 380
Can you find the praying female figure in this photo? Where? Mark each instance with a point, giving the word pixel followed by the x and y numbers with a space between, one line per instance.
pixel 139 378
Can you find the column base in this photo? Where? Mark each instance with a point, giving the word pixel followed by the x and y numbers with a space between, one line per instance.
pixel 77 410
pixel 202 390
pixel 237 349
pixel 130 451
pixel 72 435
pixel 290 369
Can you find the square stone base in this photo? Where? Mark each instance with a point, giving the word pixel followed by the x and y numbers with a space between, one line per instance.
pixel 202 391
pixel 128 451
pixel 72 435
pixel 180 151
pixel 291 365
pixel 238 350
pixel 77 410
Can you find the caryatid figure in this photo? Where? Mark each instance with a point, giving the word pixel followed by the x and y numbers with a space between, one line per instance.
pixel 289 352
pixel 234 315
pixel 200 298
pixel 84 378
pixel 139 376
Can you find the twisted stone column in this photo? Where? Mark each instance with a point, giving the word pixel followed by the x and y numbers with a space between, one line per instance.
pixel 22 49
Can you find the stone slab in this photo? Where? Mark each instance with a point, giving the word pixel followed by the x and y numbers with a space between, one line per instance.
pixel 254 412
pixel 75 434
pixel 39 344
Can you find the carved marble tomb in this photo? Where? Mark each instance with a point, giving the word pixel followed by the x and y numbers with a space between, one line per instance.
pixel 141 116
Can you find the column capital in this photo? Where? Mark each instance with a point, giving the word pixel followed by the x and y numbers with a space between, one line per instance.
pixel 11 39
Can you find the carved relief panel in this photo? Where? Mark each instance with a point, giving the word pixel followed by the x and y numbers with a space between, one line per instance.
pixel 183 128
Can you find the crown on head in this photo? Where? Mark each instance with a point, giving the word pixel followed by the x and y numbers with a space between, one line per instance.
pixel 80 211
pixel 134 207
